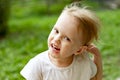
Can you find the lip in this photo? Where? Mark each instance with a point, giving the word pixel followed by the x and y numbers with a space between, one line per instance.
pixel 55 48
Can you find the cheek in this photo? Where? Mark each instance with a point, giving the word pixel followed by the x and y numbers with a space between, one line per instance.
pixel 49 38
pixel 69 47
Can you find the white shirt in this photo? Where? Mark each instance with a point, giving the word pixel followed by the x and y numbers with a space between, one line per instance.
pixel 41 68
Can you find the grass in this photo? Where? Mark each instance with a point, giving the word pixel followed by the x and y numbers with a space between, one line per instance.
pixel 28 37
pixel 109 43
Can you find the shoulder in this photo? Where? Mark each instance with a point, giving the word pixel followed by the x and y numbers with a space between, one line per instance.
pixel 39 60
pixel 41 56
pixel 87 64
pixel 34 66
pixel 92 65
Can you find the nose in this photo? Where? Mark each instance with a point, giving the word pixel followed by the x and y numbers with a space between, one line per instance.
pixel 57 39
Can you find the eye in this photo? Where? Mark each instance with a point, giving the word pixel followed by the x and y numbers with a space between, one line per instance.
pixel 56 31
pixel 66 38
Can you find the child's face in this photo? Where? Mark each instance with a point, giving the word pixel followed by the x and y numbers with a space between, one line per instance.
pixel 64 39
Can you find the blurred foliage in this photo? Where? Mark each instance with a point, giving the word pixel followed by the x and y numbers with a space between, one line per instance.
pixel 4 16
pixel 37 7
pixel 27 8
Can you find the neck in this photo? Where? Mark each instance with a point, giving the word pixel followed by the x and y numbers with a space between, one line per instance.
pixel 64 62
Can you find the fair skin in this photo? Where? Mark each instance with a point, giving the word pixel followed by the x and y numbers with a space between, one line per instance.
pixel 64 43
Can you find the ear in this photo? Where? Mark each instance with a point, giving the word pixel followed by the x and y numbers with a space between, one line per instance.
pixel 81 50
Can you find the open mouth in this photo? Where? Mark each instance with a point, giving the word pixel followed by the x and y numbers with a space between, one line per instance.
pixel 55 47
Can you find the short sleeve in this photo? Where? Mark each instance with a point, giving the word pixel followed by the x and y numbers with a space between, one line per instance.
pixel 32 70
pixel 93 69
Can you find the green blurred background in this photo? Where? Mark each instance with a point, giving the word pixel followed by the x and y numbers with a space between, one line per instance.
pixel 25 26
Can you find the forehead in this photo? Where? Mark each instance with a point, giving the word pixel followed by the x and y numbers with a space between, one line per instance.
pixel 69 25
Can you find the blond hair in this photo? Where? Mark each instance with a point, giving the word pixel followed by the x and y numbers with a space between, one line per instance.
pixel 88 19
